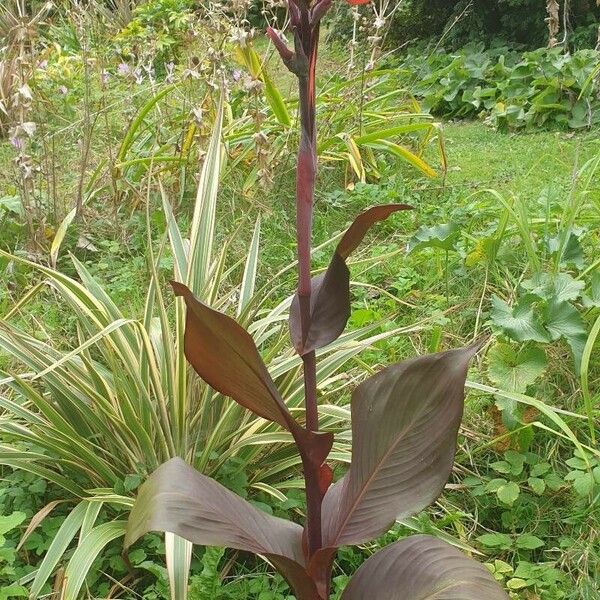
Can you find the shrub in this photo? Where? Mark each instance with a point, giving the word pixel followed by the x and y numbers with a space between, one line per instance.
pixel 508 89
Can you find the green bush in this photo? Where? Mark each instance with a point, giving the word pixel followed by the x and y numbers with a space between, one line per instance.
pixel 508 89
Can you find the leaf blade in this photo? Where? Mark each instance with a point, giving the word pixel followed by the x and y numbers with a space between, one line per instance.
pixel 330 292
pixel 424 568
pixel 224 354
pixel 405 422
pixel 178 499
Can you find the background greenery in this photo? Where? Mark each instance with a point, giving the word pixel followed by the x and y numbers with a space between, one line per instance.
pixel 493 140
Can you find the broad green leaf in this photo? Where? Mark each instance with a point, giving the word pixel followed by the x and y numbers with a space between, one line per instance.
pixel 495 484
pixel 571 252
pixel 438 236
pixel 562 319
pixel 512 370
pixel 501 466
pixel 11 204
pixel 592 299
pixel 584 483
pixel 424 568
pixel 529 542
pixel 561 288
pixel 516 461
pixel 10 522
pixel 539 469
pixel 495 540
pixel 553 481
pixel 13 591
pixel 537 485
pixel 405 422
pixel 508 493
pixel 521 322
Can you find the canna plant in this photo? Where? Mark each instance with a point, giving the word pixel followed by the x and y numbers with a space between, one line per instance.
pixel 405 420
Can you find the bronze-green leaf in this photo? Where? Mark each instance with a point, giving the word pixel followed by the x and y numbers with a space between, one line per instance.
pixel 422 568
pixel 405 422
pixel 330 291
pixel 179 499
pixel 223 353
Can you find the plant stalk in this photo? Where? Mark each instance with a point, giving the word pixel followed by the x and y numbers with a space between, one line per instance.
pixel 306 37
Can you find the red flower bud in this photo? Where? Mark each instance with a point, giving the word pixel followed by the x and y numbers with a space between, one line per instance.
pixel 357 2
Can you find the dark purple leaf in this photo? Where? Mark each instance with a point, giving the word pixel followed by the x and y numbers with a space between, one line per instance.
pixel 179 499
pixel 330 292
pixel 405 422
pixel 357 231
pixel 422 568
pixel 224 354
pixel 329 308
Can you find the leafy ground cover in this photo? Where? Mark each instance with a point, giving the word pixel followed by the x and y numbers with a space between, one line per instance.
pixel 508 89
pixel 505 244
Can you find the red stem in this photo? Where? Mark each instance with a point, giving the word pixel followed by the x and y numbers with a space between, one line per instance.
pixel 306 46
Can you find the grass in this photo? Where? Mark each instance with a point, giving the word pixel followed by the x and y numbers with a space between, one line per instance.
pixel 514 163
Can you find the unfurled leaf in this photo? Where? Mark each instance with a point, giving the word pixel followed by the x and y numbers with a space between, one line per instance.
pixel 223 353
pixel 537 485
pixel 179 499
pixel 583 483
pixel 405 422
pixel 495 540
pixel 495 484
pixel 593 298
pixel 512 370
pixel 329 308
pixel 562 319
pixel 561 288
pixel 330 292
pixel 521 322
pixel 516 460
pixel 424 568
pixel 572 251
pixel 516 584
